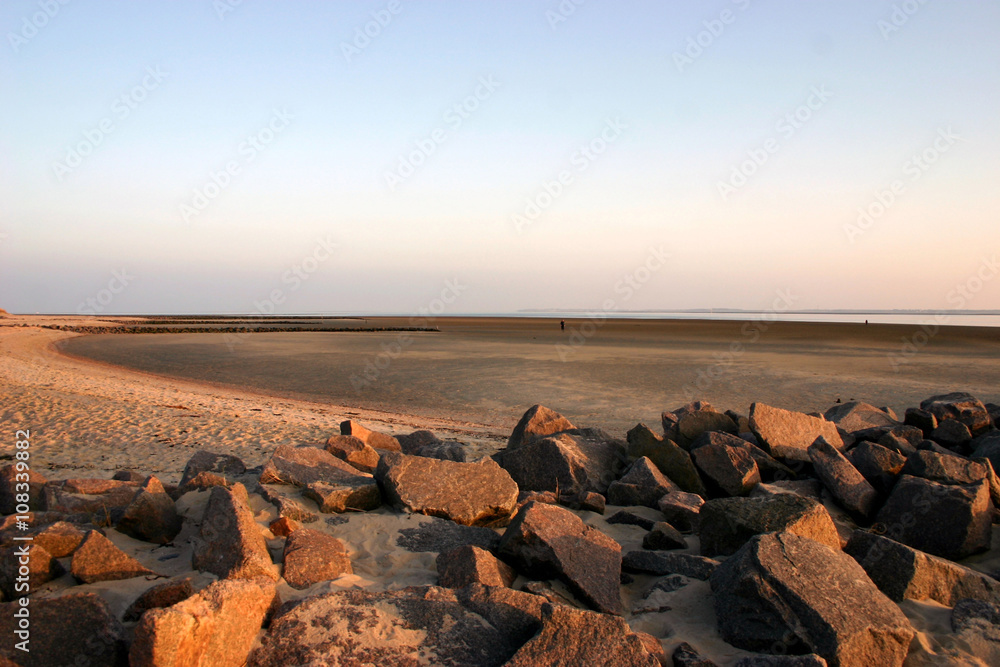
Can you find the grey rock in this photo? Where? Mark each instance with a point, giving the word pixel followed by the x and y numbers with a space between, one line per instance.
pixel 951 434
pixel 922 419
pixel 858 415
pixel 686 655
pixel 729 523
pixel 681 510
pixel 785 434
pixel 567 462
pixel 664 537
pixel 944 468
pixel 231 544
pixel 960 406
pixel 666 562
pixel 879 465
pixel 224 465
pixel 668 456
pixel 848 486
pixel 642 484
pixel 730 469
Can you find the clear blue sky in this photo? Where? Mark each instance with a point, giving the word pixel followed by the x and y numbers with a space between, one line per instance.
pixel 162 95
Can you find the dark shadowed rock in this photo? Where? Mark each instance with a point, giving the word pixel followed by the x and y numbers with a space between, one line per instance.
pixel 450 450
pixel 311 556
pixel 633 518
pixel 103 500
pixel 412 443
pixel 879 465
pixel 810 660
pixel 41 567
pixel 931 446
pixel 354 451
pixel 665 562
pixel 944 468
pixel 152 515
pixel 567 462
pixel 162 595
pixel 287 506
pixel 858 416
pixel 960 515
pixel 425 625
pixel 785 434
pixel 962 407
pixel 728 523
pixel 848 486
pixel 902 439
pixel 642 484
pixel 681 510
pixel 922 419
pixel 471 494
pixel 516 614
pixel 987 446
pixel 686 655
pixel 590 501
pixel 537 422
pixel 469 565
pixel 202 481
pixel 730 469
pixel 952 434
pixel 98 559
pixel 668 456
pixel 691 423
pixel 373 439
pixel 129 476
pixel 664 537
pixel 224 465
pixel 231 544
pixel 218 626
pixel 807 488
pixel 442 535
pixel 578 637
pixel 8 489
pixel 361 493
pixel 977 614
pixel 76 629
pixel 547 541
pixel 770 468
pixel 785 593
pixel 903 573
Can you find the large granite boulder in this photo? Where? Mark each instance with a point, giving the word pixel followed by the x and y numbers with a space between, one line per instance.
pixel 842 479
pixel 962 407
pixel 152 515
pixel 668 456
pixel 786 434
pixel 783 593
pixel 728 523
pixel 224 465
pixel 311 556
pixel 944 468
pixel 469 564
pixel 877 464
pixel 472 494
pixel 104 500
pixel 75 629
pixel 373 439
pixel 681 510
pixel 231 544
pixel 663 563
pixel 98 559
pixel 859 416
pixel 694 419
pixel 25 568
pixel 537 422
pixel 547 541
pixel 569 462
pixel 9 490
pixel 730 470
pixel 642 484
pixel 353 450
pixel 334 484
pixel 770 468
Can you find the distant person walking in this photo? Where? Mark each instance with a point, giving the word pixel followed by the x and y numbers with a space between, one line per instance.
pixel 562 325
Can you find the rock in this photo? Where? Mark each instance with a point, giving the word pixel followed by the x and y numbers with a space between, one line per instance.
pixel 203 481
pixel 654 647
pixel 730 469
pixel 39 567
pixel 902 439
pixel 642 484
pixel 785 434
pixel 858 416
pixel 288 507
pixel 302 466
pixel 664 562
pixel 231 545
pixel 807 488
pixel 770 468
pixel 547 541
pixel 8 489
pixel 516 614
pixel 472 494
pixel 451 450
pixel 469 564
pixel 962 407
pixel 848 486
pixel 686 655
pixel 810 660
pixel 987 447
pixel 951 434
pixel 354 451
pixel 879 465
pixel 425 625
pixel 311 556
pixel 589 501
pixel 152 515
pixel 414 442
pixel 373 439
pixel 578 637
pixel 631 518
pixel 666 455
pixel 692 423
pixel 960 514
pixel 664 537
pixel 536 423
pixel 904 573
pixel 223 465
pixel 98 559
pixel 129 476
pixel 283 527
pixel 944 468
pixel 361 493
pixel 103 500
pixel 162 595
pixel 216 627
pixel 976 614
pixel 567 462
pixel 783 593
pixel 922 419
pixel 728 523
pixel 75 629
pixel 931 446
pixel 60 539
pixel 667 584
pixel 441 535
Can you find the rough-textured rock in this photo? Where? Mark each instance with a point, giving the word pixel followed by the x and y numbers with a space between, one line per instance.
pixel 373 439
pixel 782 593
pixel 664 537
pixel 547 541
pixel 810 660
pixel 98 559
pixel 728 523
pixel 9 491
pixel 665 562
pixel 224 465
pixel 589 501
pixel 642 484
pixel 944 468
pixel 202 481
pixel 469 565
pixel 922 419
pixel 902 439
pixel 472 494
pixel 75 629
pixel 283 526
pixel 858 416
pixel 441 535
pixel 807 488
pixel 692 423
pixel 686 655
pixel 60 539
pixel 162 595
pixel 770 468
pixel 960 515
pixel 977 614
pixel 516 614
pixel 302 466
pixel 731 470
pixel 129 476
pixel 215 628
pixel 41 567
pixel 353 450
pixel 426 625
pixel 633 518
pixel 288 506
pixel 879 465
pixel 414 442
pixel 450 450
pixel 311 556
pixel 987 446
pixel 103 500
pixel 962 407
pixel 903 573
pixel 568 462
pixel 537 422
pixel 231 544
pixel 578 637
pixel 848 486
pixel 361 493
pixel 668 456
pixel 152 515
pixel 951 434
pixel 786 434
pixel 681 510
pixel 931 446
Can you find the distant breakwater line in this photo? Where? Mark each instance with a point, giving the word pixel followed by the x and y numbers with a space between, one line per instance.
pixel 223 330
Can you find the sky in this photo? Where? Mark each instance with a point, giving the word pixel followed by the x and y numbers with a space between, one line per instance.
pixel 469 157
